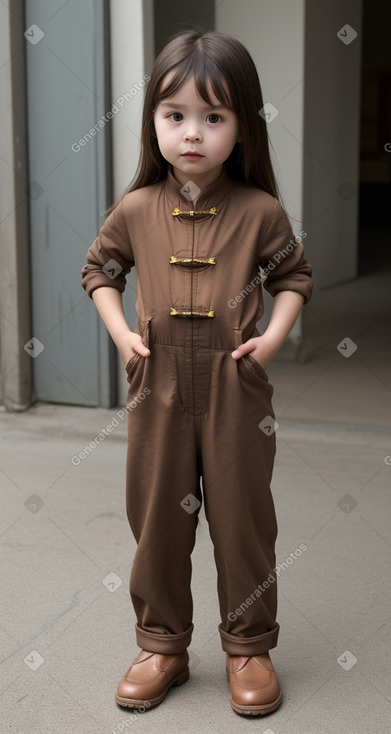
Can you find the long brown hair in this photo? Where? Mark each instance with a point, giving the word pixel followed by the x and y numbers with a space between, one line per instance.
pixel 218 58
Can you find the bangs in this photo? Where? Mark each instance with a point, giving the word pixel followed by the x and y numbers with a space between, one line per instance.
pixel 203 69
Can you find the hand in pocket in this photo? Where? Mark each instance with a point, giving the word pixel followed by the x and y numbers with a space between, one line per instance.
pixel 131 345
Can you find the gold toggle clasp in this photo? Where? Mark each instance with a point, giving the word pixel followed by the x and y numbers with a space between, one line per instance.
pixel 191 213
pixel 195 260
pixel 183 312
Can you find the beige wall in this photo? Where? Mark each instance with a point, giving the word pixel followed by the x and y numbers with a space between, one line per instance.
pixel 15 363
pixel 273 33
pixel 313 79
pixel 132 56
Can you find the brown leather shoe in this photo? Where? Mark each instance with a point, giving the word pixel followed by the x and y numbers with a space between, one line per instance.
pixel 254 684
pixel 149 678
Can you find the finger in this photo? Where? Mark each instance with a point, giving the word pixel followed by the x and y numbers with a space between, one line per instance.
pixel 239 351
pixel 144 351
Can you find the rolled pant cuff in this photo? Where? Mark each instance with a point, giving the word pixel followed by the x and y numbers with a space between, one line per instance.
pixel 248 646
pixel 167 644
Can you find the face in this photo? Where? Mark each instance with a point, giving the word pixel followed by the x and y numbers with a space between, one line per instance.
pixel 184 122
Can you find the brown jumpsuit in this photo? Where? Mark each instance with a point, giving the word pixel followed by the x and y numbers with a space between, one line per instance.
pixel 194 411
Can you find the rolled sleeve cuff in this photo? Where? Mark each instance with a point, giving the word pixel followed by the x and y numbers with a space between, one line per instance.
pixel 93 280
pixel 304 287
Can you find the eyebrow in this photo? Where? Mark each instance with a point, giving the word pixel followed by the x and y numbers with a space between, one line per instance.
pixel 184 107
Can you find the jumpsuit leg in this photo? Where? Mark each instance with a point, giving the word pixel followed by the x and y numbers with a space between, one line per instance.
pixel 161 470
pixel 237 465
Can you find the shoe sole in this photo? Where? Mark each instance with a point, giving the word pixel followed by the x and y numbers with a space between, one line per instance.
pixel 132 703
pixel 265 708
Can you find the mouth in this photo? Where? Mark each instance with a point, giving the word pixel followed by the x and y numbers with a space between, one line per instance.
pixel 192 156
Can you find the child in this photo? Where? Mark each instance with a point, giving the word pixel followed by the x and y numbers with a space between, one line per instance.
pixel 200 218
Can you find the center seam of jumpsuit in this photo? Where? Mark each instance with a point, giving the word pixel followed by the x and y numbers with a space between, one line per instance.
pixel 195 362
pixel 192 320
pixel 195 385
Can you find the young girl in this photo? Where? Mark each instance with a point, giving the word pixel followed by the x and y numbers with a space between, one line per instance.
pixel 198 221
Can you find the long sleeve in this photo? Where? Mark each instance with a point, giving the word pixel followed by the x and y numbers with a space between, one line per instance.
pixel 110 256
pixel 281 256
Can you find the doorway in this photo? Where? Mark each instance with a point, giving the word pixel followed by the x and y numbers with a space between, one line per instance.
pixel 374 250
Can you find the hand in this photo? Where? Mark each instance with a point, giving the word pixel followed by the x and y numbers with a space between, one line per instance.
pixel 260 347
pixel 131 344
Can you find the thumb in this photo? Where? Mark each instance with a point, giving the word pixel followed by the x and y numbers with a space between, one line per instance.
pixel 240 351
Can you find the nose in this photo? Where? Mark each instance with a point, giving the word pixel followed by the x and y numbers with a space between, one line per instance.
pixel 192 134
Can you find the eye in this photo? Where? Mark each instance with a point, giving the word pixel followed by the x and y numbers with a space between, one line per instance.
pixel 176 113
pixel 214 114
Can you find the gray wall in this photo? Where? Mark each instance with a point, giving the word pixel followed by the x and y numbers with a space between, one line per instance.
pixel 69 188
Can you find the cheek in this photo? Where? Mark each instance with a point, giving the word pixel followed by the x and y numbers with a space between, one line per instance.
pixel 166 138
pixel 161 133
pixel 224 143
pixel 164 130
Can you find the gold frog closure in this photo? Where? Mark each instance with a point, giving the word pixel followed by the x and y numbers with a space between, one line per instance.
pixel 193 260
pixel 183 312
pixel 191 213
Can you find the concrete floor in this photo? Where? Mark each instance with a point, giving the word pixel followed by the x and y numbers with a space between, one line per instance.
pixel 67 638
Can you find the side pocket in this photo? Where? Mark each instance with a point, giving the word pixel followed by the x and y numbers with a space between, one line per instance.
pixel 256 366
pixel 248 360
pixel 131 362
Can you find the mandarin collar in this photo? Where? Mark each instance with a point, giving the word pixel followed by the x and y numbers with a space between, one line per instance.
pixel 210 196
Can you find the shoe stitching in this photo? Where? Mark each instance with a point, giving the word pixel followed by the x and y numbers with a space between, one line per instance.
pixel 149 680
pixel 261 665
pixel 257 661
pixel 168 666
pixel 252 688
